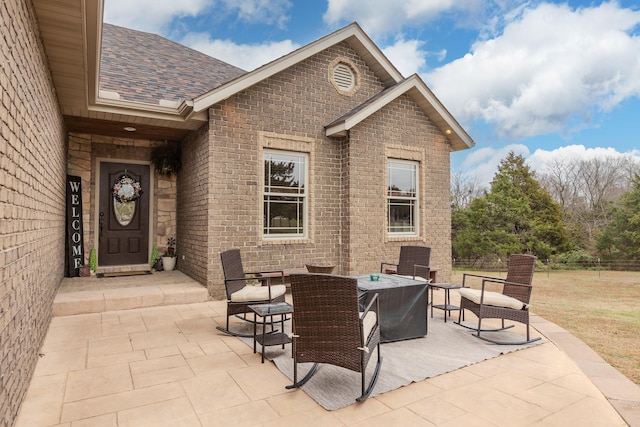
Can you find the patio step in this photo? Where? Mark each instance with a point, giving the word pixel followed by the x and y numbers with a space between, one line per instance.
pixel 82 295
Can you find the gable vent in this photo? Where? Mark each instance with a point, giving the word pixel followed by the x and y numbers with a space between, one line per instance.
pixel 343 77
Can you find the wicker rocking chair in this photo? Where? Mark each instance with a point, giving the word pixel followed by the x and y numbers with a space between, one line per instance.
pixel 328 327
pixel 240 294
pixel 413 263
pixel 510 304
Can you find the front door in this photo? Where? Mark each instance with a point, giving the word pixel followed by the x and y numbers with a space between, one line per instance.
pixel 123 228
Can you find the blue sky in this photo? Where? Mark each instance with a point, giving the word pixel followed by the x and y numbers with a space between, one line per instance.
pixel 545 79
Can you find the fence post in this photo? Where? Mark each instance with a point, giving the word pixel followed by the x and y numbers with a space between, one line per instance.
pixel 548 267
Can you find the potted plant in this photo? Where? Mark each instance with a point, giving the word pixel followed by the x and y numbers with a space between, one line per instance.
pixel 169 257
pixel 155 259
pixel 166 158
pixel 84 271
pixel 93 261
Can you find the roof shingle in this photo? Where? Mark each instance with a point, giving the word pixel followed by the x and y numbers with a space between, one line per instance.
pixel 145 67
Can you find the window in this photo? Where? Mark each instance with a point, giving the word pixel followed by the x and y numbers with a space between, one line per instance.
pixel 285 194
pixel 402 197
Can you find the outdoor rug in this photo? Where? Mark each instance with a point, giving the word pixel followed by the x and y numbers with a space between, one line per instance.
pixel 446 348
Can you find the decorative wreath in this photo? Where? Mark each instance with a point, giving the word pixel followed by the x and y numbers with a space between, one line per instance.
pixel 126 189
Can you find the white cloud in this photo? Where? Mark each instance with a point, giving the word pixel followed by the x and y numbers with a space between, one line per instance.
pixel 263 11
pixel 378 17
pixel 551 70
pixel 482 164
pixel 406 56
pixel 156 16
pixel 150 15
pixel 576 153
pixel 245 56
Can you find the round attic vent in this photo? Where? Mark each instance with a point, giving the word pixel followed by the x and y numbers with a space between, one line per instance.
pixel 343 77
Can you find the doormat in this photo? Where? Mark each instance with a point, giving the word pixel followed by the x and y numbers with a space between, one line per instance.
pixel 123 274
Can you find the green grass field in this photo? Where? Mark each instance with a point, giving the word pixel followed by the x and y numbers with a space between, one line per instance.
pixel 601 308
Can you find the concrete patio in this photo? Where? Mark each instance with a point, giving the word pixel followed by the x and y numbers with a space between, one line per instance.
pixel 144 351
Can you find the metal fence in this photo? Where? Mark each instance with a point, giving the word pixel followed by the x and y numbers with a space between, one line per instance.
pixel 498 264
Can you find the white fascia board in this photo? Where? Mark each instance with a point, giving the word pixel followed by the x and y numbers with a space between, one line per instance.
pixel 443 113
pixel 458 134
pixel 245 81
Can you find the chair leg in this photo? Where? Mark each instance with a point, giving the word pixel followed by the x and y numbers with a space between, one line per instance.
pixel 297 384
pixel 374 378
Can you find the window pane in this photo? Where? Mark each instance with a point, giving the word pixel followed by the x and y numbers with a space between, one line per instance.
pixel 401 216
pixel 402 197
pixel 284 173
pixel 283 215
pixel 402 179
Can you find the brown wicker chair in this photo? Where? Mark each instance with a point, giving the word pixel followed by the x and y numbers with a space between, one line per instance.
pixel 241 295
pixel 328 327
pixel 510 304
pixel 413 262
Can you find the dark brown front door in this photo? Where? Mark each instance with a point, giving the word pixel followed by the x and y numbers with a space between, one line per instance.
pixel 123 229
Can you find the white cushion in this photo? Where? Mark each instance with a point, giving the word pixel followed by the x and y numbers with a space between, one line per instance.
pixel 368 323
pixel 492 298
pixel 257 293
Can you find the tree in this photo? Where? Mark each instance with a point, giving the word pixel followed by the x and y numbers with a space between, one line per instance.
pixel 464 189
pixel 517 215
pixel 585 189
pixel 621 236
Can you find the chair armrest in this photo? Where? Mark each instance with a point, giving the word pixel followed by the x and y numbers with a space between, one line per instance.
pixel 261 279
pixel 387 263
pixel 504 282
pixel 464 277
pixel 367 309
pixel 422 268
pixel 259 273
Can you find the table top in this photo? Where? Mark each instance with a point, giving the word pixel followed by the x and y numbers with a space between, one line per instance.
pixel 386 281
pixel 446 285
pixel 271 309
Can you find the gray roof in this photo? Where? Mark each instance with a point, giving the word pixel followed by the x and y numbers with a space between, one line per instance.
pixel 147 68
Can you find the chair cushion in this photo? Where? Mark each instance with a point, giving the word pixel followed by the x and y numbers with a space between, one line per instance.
pixel 257 293
pixel 368 324
pixel 493 298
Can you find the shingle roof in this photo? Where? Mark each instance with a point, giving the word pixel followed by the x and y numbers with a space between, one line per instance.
pixel 145 67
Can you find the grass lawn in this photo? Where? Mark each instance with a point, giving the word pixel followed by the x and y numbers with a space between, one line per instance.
pixel 600 308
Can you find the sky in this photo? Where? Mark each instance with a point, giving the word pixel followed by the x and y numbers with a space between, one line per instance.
pixel 547 80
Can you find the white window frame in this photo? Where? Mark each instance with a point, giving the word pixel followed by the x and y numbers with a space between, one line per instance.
pixel 412 200
pixel 302 194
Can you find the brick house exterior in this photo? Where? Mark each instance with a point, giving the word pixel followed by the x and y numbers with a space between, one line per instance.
pixel 58 118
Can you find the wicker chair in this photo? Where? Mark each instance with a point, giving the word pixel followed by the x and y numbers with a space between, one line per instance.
pixel 329 328
pixel 510 304
pixel 240 294
pixel 413 263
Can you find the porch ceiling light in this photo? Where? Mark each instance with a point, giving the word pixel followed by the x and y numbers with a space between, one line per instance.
pixel 130 129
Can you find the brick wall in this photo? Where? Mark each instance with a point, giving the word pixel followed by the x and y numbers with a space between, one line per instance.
pixel 399 131
pixel 347 185
pixel 32 201
pixel 194 227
